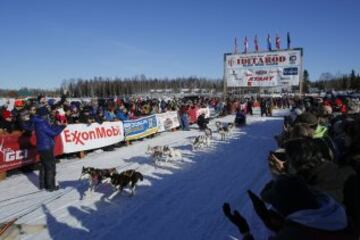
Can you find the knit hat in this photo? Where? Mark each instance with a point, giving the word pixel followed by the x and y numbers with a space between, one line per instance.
pixel 61 111
pixel 288 194
pixel 338 102
pixel 306 118
pixel 19 103
pixel 51 101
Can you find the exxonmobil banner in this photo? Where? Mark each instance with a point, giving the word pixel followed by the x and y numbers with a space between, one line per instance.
pixel 167 121
pixel 264 69
pixel 81 137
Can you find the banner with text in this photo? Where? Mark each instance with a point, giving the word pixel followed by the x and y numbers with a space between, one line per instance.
pixel 264 69
pixel 140 128
pixel 18 150
pixel 81 137
pixel 167 121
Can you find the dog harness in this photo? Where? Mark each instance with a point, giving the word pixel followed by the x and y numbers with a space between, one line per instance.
pixel 129 173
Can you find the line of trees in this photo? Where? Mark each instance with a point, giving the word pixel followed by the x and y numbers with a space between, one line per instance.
pixel 108 87
pixel 26 92
pixel 339 82
pixel 105 87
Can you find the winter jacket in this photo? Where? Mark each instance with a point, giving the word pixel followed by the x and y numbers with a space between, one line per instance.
pixel 202 122
pixel 240 118
pixel 109 116
pixel 342 183
pixel 45 133
pixel 328 222
pixel 121 115
pixel 320 132
pixel 184 118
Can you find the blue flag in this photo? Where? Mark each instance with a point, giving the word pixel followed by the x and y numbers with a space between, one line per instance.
pixel 288 40
pixel 269 42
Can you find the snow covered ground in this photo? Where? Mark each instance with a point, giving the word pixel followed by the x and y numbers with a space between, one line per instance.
pixel 177 200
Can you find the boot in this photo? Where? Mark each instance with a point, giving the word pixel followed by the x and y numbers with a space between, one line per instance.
pixel 42 177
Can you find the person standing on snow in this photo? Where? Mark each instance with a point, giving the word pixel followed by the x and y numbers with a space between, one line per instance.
pixel 45 134
pixel 184 118
pixel 202 122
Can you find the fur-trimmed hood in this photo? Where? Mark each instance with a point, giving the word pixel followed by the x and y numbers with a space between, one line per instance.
pixel 330 216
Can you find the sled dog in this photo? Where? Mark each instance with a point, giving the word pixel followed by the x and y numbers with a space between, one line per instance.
pixel 201 141
pixel 96 175
pixel 126 178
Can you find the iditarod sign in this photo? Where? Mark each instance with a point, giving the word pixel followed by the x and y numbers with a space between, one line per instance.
pixel 264 69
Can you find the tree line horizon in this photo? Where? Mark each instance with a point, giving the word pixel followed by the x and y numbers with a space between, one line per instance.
pixel 109 87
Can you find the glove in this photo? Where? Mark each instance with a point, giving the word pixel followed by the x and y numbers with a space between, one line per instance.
pixel 270 218
pixel 259 205
pixel 236 219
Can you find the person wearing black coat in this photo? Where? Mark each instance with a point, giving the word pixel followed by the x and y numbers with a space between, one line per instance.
pixel 297 213
pixel 263 108
pixel 202 122
pixel 306 160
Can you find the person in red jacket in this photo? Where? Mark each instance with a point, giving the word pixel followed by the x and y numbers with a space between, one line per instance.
pixel 340 106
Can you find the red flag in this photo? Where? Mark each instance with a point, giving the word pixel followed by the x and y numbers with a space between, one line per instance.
pixel 256 43
pixel 277 41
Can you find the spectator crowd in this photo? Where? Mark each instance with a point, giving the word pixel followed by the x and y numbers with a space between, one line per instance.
pixel 62 110
pixel 314 192
pixel 315 188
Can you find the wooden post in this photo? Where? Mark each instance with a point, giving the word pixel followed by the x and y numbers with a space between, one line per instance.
pixel 2 176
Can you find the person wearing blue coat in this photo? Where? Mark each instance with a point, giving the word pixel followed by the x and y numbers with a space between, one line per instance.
pixel 45 134
pixel 122 115
pixel 109 115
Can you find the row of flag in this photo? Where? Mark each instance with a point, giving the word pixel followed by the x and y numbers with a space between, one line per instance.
pixel 268 41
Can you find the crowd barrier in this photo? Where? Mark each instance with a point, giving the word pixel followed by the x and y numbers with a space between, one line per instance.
pixel 140 128
pixel 83 137
pixel 18 150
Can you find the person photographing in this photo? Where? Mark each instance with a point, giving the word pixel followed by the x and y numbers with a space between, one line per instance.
pixel 45 134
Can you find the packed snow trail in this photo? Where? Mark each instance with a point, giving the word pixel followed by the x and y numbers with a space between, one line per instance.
pixel 176 200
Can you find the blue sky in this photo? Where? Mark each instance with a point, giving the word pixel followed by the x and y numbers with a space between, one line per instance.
pixel 44 42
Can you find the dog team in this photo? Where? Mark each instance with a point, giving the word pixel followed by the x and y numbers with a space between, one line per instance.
pixel 129 178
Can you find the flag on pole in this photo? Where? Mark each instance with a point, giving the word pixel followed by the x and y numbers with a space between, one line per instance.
pixel 256 43
pixel 235 46
pixel 277 41
pixel 269 42
pixel 246 45
pixel 288 40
